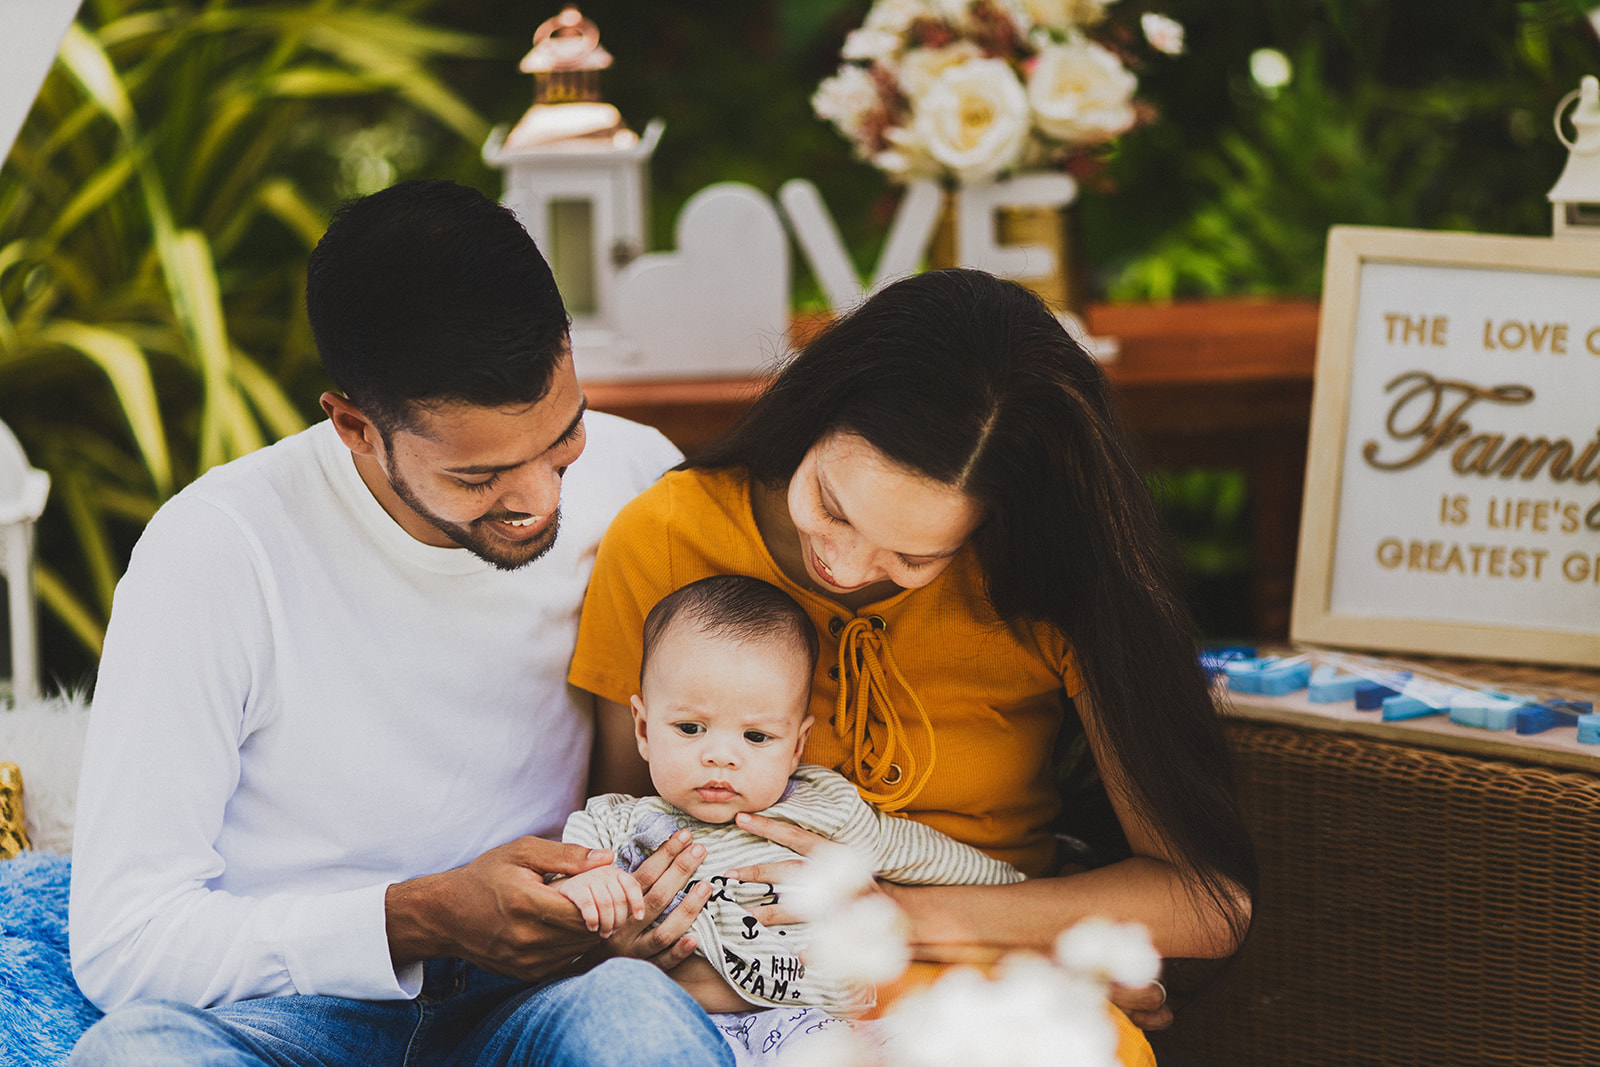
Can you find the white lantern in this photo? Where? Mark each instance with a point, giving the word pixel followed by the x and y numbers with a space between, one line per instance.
pixel 1575 198
pixel 577 177
pixel 22 496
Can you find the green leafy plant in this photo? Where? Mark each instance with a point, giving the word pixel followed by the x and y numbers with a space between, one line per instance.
pixel 155 216
pixel 1425 115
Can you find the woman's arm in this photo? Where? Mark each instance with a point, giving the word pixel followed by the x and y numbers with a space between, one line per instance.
pixel 1148 887
pixel 979 923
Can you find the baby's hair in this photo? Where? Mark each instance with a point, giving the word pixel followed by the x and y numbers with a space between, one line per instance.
pixel 734 606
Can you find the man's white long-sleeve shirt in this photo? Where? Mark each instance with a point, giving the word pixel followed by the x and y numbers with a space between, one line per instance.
pixel 299 705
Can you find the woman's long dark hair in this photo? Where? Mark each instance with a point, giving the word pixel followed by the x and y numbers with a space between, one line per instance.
pixel 972 381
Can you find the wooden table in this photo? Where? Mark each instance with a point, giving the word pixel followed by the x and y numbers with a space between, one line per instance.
pixel 1223 383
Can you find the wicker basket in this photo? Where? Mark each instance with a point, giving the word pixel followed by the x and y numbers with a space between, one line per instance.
pixel 1417 907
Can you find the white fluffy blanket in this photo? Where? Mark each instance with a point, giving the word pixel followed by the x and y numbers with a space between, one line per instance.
pixel 45 739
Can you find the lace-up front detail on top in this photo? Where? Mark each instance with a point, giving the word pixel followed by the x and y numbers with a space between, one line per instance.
pixel 887 770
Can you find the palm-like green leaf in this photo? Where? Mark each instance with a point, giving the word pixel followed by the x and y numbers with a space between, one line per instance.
pixel 128 369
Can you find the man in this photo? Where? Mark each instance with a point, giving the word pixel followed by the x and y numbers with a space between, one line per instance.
pixel 331 727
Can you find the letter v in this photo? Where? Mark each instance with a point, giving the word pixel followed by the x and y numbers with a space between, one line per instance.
pixel 914 222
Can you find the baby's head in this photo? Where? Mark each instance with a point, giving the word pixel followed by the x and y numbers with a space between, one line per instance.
pixel 724 684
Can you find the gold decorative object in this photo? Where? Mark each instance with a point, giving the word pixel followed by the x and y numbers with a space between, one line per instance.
pixel 13 832
pixel 566 61
pixel 1056 228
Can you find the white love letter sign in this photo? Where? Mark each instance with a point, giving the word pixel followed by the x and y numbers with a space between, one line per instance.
pixel 1453 481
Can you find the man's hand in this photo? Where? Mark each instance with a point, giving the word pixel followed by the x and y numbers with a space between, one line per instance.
pixel 496 911
pixel 606 897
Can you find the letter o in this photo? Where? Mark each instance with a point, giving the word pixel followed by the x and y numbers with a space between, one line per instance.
pixel 1591 519
pixel 1575 568
pixel 1589 341
pixel 1391 553
pixel 1521 334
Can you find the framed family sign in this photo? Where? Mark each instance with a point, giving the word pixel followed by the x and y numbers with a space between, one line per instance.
pixel 1452 499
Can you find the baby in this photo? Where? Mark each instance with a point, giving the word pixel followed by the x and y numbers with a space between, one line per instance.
pixel 721 717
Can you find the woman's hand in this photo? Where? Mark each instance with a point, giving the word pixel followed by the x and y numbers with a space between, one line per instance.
pixel 779 872
pixel 1146 1006
pixel 668 870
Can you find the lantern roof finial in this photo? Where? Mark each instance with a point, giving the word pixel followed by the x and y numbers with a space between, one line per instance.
pixel 566 42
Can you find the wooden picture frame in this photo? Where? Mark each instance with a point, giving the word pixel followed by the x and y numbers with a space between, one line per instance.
pixel 1452 494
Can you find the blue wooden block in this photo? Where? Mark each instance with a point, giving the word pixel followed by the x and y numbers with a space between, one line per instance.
pixel 1268 675
pixel 1370 696
pixel 1400 707
pixel 1589 729
pixel 1279 678
pixel 1244 674
pixel 1329 686
pixel 1486 711
pixel 1537 718
pixel 1214 660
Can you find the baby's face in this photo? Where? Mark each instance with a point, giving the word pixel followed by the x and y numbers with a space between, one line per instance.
pixel 722 724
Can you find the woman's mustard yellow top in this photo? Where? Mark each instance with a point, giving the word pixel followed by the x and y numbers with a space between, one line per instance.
pixel 937 656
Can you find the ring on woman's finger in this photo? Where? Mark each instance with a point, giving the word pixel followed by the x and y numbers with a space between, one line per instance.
pixel 1157 983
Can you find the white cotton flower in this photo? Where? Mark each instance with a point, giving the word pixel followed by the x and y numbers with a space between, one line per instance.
pixel 974 119
pixel 1164 34
pixel 1029 1015
pixel 920 67
pixel 1081 93
pixel 861 941
pixel 1109 952
pixel 832 876
pixel 848 99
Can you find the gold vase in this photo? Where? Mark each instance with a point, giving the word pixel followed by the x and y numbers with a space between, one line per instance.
pixel 1055 228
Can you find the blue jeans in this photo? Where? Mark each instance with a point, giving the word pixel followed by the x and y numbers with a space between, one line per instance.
pixel 624 1012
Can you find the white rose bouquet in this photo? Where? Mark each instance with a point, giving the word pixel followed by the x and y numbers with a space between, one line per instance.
pixel 965 90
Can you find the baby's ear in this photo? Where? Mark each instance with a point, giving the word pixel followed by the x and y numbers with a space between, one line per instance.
pixel 800 738
pixel 639 727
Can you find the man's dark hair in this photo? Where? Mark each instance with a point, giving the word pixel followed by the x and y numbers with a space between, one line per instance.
pixel 429 292
pixel 735 606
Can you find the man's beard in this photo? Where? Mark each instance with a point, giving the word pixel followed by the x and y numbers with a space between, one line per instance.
pixel 478 537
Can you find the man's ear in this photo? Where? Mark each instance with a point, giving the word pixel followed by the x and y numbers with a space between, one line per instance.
pixel 359 433
pixel 800 739
pixel 639 729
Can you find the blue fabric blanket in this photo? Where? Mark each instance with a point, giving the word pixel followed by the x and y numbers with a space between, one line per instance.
pixel 42 1013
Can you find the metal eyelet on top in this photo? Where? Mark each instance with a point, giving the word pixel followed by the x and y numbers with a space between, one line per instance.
pixel 835 626
pixel 894 775
pixel 833 673
pixel 877 622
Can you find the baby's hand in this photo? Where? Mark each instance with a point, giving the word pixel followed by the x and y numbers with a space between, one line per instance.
pixel 606 896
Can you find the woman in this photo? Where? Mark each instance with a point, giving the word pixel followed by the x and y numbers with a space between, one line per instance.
pixel 941 481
